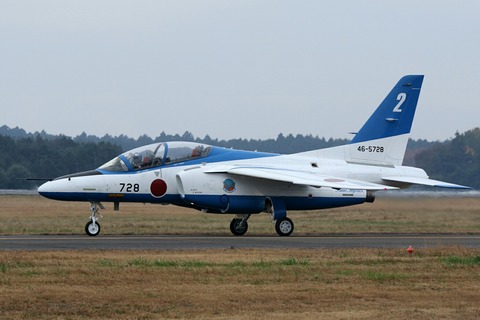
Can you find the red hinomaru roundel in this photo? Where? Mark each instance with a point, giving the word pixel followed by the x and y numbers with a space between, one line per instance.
pixel 158 188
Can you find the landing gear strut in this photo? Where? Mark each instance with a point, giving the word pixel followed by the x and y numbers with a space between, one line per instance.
pixel 278 213
pixel 92 228
pixel 239 225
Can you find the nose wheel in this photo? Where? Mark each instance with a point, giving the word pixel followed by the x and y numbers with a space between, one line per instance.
pixel 92 228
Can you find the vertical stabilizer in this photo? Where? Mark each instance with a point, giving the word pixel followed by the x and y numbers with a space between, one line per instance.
pixel 394 116
pixel 383 138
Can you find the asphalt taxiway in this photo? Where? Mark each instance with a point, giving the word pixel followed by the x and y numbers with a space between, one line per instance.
pixel 106 242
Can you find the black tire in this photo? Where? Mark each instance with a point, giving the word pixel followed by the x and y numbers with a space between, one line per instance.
pixel 237 227
pixel 92 229
pixel 284 227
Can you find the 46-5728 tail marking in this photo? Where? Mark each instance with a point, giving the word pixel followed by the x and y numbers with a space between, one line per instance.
pixel 370 149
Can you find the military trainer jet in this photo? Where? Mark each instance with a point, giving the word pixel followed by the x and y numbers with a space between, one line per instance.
pixel 226 181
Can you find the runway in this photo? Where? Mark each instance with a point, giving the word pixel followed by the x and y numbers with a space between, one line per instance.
pixel 81 242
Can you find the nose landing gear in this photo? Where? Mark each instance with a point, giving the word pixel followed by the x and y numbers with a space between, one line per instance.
pixel 92 228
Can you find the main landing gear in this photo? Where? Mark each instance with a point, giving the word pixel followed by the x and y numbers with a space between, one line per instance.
pixel 92 228
pixel 284 227
pixel 278 213
pixel 239 225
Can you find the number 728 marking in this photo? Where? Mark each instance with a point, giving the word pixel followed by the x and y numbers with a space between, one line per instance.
pixel 401 99
pixel 128 187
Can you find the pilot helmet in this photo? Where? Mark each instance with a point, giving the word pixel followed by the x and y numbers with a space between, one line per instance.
pixel 137 158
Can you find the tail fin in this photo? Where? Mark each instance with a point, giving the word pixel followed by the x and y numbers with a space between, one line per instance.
pixel 383 138
pixel 394 116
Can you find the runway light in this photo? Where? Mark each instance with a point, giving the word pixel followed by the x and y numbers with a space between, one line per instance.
pixel 410 250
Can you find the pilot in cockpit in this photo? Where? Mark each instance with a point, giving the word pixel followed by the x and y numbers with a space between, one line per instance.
pixel 137 160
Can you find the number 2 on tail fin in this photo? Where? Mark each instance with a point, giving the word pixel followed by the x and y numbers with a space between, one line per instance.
pixel 401 99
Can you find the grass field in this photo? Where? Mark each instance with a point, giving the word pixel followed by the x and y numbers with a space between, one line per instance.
pixel 241 284
pixel 257 284
pixel 36 215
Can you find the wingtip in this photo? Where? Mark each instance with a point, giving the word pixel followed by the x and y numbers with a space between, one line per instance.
pixel 453 186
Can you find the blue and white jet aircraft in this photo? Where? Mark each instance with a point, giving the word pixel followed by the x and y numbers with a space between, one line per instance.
pixel 219 180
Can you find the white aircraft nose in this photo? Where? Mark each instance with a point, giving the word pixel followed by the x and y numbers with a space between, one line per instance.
pixel 73 188
pixel 53 189
pixel 44 188
pixel 56 189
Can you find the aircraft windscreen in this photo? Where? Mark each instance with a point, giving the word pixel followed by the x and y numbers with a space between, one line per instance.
pixel 140 158
pixel 155 155
pixel 114 165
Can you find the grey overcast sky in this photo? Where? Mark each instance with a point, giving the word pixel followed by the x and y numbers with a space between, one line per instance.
pixel 235 69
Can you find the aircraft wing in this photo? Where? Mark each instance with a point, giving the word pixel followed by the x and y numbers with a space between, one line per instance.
pixel 300 177
pixel 425 182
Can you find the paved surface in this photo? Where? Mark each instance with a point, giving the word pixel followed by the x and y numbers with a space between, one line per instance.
pixel 69 242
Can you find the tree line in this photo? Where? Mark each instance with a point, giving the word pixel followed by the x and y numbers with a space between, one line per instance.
pixel 48 158
pixel 40 155
pixel 456 160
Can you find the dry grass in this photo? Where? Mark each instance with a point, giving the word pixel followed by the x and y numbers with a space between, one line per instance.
pixel 36 215
pixel 241 284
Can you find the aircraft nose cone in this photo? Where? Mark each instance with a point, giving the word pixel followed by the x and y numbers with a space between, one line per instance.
pixel 55 190
pixel 51 189
pixel 44 189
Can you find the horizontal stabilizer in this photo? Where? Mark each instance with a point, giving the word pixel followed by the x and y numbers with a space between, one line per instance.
pixel 300 178
pixel 424 182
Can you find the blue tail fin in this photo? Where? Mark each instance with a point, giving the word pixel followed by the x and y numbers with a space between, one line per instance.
pixel 383 138
pixel 395 114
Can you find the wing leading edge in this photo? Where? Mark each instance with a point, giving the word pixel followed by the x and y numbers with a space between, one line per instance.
pixel 300 178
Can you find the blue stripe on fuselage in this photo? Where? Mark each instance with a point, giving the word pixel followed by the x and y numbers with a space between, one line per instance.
pixel 237 204
pixel 111 197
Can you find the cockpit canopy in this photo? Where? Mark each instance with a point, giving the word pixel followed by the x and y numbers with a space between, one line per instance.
pixel 156 155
